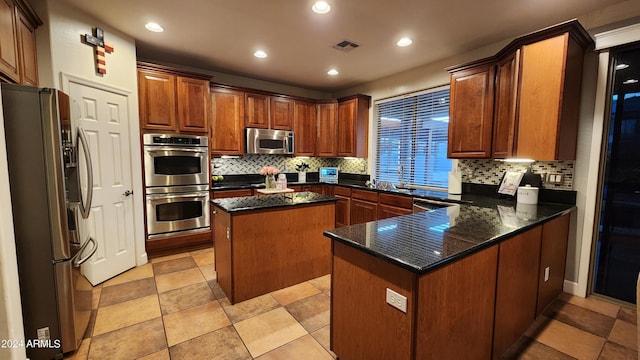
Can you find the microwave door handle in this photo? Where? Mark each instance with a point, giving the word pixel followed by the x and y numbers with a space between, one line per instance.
pixel 286 144
pixel 86 206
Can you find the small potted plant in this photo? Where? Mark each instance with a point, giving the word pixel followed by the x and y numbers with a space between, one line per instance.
pixel 301 168
pixel 269 173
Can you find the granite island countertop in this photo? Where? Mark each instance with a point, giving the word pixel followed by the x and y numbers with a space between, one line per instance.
pixel 251 203
pixel 424 241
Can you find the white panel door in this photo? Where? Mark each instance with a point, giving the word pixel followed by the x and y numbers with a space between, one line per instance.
pixel 104 116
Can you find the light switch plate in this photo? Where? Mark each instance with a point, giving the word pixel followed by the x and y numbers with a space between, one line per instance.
pixel 396 300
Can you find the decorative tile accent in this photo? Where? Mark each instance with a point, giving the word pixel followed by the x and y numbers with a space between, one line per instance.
pixel 491 171
pixel 251 164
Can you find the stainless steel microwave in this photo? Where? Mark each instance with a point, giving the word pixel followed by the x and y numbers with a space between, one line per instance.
pixel 267 141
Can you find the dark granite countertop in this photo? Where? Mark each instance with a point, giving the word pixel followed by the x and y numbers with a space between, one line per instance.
pixel 251 203
pixel 424 241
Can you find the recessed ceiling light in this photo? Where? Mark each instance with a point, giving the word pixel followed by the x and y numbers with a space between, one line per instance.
pixel 630 81
pixel 622 66
pixel 321 7
pixel 333 72
pixel 405 41
pixel 155 27
pixel 260 54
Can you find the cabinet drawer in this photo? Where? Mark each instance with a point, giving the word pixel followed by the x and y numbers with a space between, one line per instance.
pixel 219 194
pixel 364 195
pixel 341 190
pixel 396 200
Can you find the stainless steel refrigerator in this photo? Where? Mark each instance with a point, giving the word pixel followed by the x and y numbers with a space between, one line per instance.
pixel 45 167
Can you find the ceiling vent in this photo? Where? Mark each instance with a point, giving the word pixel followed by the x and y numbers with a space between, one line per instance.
pixel 345 46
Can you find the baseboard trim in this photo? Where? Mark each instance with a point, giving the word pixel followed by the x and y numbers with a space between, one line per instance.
pixel 571 287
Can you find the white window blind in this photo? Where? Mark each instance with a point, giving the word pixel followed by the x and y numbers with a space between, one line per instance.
pixel 412 138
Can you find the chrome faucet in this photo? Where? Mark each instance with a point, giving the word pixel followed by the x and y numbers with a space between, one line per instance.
pixel 401 176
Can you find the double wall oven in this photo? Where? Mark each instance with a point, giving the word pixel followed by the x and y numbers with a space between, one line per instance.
pixel 176 170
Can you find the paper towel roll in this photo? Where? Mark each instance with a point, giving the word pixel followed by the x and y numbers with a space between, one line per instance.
pixel 455 182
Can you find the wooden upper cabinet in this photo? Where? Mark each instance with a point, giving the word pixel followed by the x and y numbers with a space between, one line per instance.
pixel 471 112
pixel 549 106
pixel 304 128
pixel 226 122
pixel 537 98
pixel 280 113
pixel 18 61
pixel 504 121
pixel 256 110
pixel 157 100
pixel 326 144
pixel 193 95
pixel 8 41
pixel 353 126
pixel 268 112
pixel 172 100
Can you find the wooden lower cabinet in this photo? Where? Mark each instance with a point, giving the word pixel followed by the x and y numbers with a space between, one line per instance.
pixel 449 311
pixel 472 308
pixel 387 211
pixel 253 259
pixel 343 211
pixel 363 325
pixel 553 253
pixel 455 309
pixel 516 289
pixel 363 211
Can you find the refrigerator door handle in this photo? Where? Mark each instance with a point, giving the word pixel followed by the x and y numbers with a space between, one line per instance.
pixel 77 260
pixel 86 206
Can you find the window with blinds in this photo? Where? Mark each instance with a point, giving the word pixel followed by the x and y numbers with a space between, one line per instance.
pixel 412 138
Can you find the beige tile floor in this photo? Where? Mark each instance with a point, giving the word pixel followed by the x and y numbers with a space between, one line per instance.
pixel 172 308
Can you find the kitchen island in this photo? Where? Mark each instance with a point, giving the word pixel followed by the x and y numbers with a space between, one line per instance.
pixel 454 283
pixel 268 242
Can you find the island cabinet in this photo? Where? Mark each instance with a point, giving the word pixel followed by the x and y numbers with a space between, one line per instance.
pixel 516 288
pixel 18 61
pixel 524 101
pixel 305 128
pixel 353 126
pixel 395 294
pixel 553 253
pixel 268 112
pixel 271 242
pixel 226 121
pixel 326 144
pixel 172 100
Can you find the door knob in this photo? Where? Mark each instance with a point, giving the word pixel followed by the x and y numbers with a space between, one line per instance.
pixel 127 193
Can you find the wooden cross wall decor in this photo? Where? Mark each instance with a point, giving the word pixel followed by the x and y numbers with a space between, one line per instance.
pixel 97 41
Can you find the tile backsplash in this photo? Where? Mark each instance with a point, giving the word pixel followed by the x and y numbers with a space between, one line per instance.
pixel 251 164
pixel 491 171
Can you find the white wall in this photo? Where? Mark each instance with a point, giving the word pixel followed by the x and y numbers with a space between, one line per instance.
pixel 60 50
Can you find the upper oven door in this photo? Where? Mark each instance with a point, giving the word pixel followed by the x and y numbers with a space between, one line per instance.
pixel 171 166
pixel 267 141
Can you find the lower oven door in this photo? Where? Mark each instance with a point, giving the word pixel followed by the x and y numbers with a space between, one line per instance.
pixel 171 212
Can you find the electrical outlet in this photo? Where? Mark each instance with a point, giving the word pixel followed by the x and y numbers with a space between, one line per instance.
pixel 557 179
pixel 396 300
pixel 546 274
